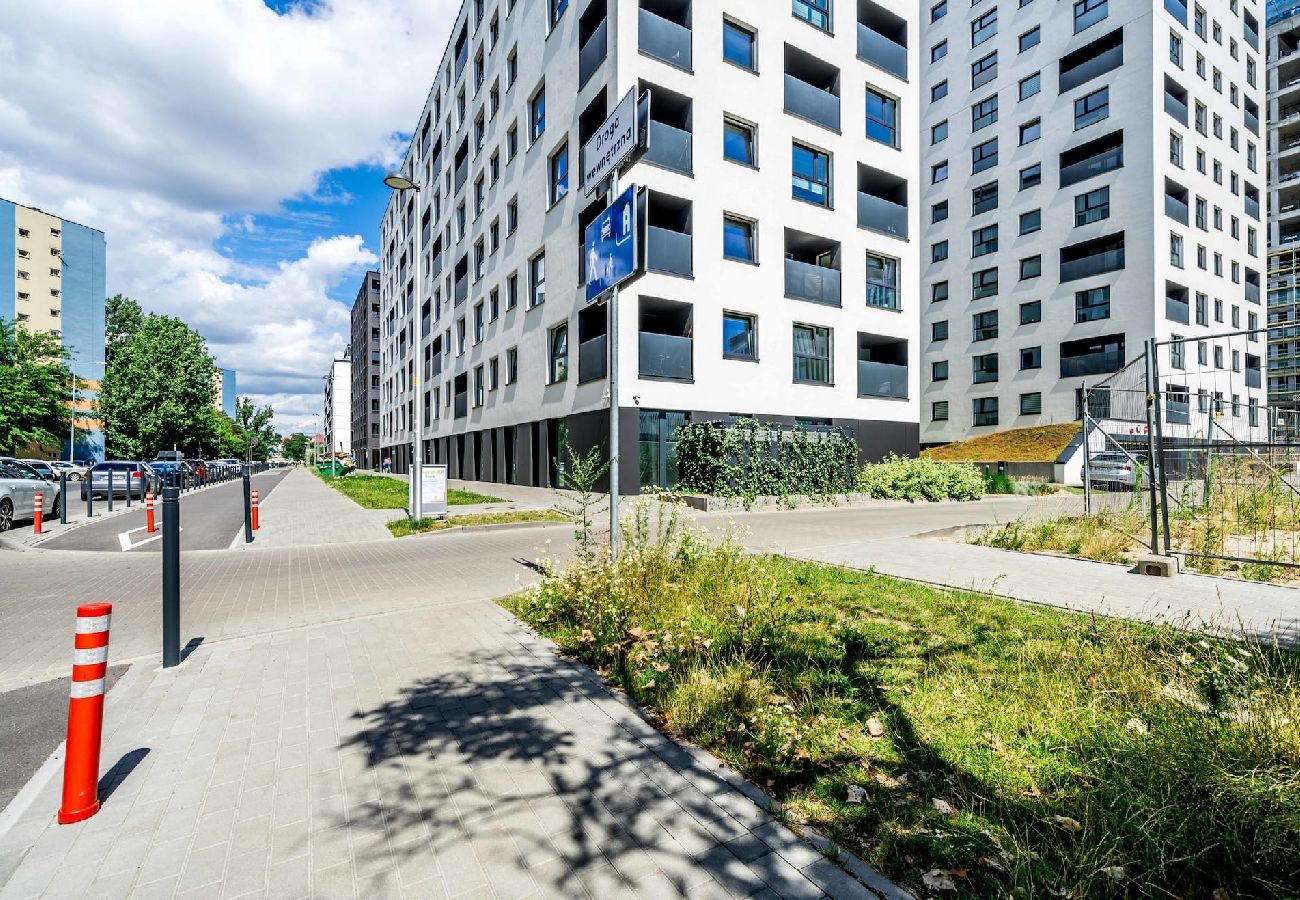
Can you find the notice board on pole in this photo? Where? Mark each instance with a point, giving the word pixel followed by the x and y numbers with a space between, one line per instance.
pixel 433 490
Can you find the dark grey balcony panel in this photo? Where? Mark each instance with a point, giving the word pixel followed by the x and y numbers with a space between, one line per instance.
pixel 1177 310
pixel 664 40
pixel 1176 209
pixel 666 356
pixel 669 147
pixel 461 406
pixel 593 52
pixel 877 379
pixel 593 358
pixel 882 215
pixel 1253 378
pixel 1252 208
pixel 435 266
pixel 1176 108
pixel 806 281
pixel 668 251
pixel 1097 264
pixel 1252 122
pixel 462 289
pixel 812 103
pixel 1090 168
pixel 462 173
pixel 1091 364
pixel 1252 292
pixel 1092 68
pixel 875 48
pixel 1251 35
pixel 1177 413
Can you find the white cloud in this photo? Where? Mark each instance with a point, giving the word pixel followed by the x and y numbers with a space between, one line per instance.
pixel 168 125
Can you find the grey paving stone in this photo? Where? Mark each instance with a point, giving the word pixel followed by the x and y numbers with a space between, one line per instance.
pixel 203 867
pixel 290 879
pixel 333 883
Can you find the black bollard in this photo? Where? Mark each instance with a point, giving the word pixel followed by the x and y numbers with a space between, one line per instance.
pixel 63 498
pixel 171 576
pixel 248 508
pixel 110 490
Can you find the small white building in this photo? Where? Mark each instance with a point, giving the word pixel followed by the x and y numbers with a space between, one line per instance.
pixel 338 406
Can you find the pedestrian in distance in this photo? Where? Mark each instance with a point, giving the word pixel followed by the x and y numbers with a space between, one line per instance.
pixel 388 464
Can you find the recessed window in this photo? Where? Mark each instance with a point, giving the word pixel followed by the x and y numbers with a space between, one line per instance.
pixel 812 354
pixel 984 28
pixel 1031 312
pixel 984 113
pixel 938 51
pixel 738 45
pixel 939 370
pixel 984 326
pixel 1031 404
pixel 984 283
pixel 1031 358
pixel 882 118
pixel 738 142
pixel 939 212
pixel 512 365
pixel 984 198
pixel 939 330
pixel 939 91
pixel 739 335
pixel 938 291
pixel 1031 267
pixel 1093 206
pixel 939 411
pixel 939 172
pixel 738 238
pixel 810 175
pixel 537 280
pixel 1091 109
pixel 984 241
pixel 558 353
pixel 984 156
pixel 985 410
pixel 1030 38
pixel 938 251
pixel 1091 305
pixel 816 13
pixel 1031 131
pixel 882 281
pixel 559 169
pixel 985 368
pixel 939 132
pixel 537 114
pixel 1031 221
pixel 1031 176
pixel 1030 85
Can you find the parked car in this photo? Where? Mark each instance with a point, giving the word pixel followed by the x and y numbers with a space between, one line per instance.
pixel 1116 471
pixel 19 484
pixel 75 471
pixel 200 469
pixel 175 473
pixel 139 475
pixel 43 468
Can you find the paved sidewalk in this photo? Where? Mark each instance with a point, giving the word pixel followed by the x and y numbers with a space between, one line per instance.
pixel 432 753
pixel 303 511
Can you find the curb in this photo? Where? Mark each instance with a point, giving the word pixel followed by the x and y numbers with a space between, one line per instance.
pixel 494 526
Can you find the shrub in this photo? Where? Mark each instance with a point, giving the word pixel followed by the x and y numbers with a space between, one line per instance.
pixel 997 483
pixel 903 478
pixel 747 458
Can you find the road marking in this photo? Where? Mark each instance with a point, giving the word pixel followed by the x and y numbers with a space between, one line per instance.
pixel 124 538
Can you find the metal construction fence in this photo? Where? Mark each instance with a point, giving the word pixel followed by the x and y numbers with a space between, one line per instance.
pixel 1183 453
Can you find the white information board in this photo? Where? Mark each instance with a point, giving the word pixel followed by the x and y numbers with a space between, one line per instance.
pixel 433 490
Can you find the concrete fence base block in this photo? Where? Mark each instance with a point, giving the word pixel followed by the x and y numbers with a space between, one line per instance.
pixel 1159 566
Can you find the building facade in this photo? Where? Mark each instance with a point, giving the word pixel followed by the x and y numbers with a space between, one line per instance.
pixel 338 406
pixel 224 391
pixel 778 203
pixel 364 345
pixel 52 279
pixel 1283 34
pixel 1092 173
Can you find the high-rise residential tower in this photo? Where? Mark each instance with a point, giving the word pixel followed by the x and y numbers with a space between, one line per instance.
pixel 338 405
pixel 1283 33
pixel 1092 179
pixel 779 202
pixel 365 373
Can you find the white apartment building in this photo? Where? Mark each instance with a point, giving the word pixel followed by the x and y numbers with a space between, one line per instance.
pixel 780 203
pixel 1091 178
pixel 338 406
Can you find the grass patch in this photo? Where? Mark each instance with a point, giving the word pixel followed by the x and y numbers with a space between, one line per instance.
pixel 1019 750
pixel 404 527
pixel 380 492
pixel 1037 443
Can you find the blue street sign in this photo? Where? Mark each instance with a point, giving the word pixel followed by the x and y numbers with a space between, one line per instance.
pixel 610 246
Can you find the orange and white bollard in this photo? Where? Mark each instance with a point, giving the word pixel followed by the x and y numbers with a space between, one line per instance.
pixel 85 714
pixel 38 518
pixel 148 512
pixel 254 495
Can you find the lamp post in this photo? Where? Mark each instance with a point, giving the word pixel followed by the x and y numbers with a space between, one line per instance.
pixel 402 184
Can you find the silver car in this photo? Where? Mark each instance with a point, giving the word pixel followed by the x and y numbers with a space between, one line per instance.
pixel 19 485
pixel 75 471
pixel 1116 471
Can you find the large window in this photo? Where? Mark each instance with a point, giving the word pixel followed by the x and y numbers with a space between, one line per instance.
pixel 984 241
pixel 986 368
pixel 1092 206
pixel 985 410
pixel 984 113
pixel 537 114
pixel 882 281
pixel 738 141
pixel 537 280
pixel 985 325
pixel 738 44
pixel 811 175
pixel 812 354
pixel 1092 304
pixel 738 238
pixel 559 169
pixel 815 12
pixel 983 28
pixel 984 198
pixel 1093 108
pixel 882 118
pixel 739 336
pixel 558 353
pixel 984 156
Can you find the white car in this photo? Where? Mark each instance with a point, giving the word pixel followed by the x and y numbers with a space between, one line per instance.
pixel 19 485
pixel 75 471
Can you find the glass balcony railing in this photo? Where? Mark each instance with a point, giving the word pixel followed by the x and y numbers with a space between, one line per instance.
pixel 879 214
pixel 461 406
pixel 882 296
pixel 665 355
pixel 1177 310
pixel 1090 69
pixel 593 52
pixel 462 289
pixel 807 281
pixel 1092 167
pixel 1252 208
pixel 1252 122
pixel 664 39
pixel 1253 378
pixel 1251 35
pixel 1096 264
pixel 1176 108
pixel 880 51
pixel 1252 292
pixel 668 251
pixel 877 379
pixel 1176 209
pixel 592 359
pixel 1177 412
pixel 1091 364
pixel 812 103
pixel 462 173
pixel 669 147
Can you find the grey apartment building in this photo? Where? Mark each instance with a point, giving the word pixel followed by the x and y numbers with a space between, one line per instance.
pixel 780 211
pixel 1283 34
pixel 364 344
pixel 1091 178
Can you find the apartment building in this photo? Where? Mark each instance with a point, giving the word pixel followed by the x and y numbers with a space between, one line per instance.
pixel 338 405
pixel 224 392
pixel 1091 179
pixel 779 201
pixel 364 347
pixel 1283 35
pixel 52 279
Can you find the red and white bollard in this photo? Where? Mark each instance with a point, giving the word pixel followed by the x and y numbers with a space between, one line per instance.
pixel 148 512
pixel 38 518
pixel 254 499
pixel 85 714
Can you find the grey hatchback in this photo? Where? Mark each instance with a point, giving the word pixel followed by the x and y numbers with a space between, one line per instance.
pixel 138 477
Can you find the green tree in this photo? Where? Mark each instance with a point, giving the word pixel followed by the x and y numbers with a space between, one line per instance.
pixel 34 385
pixel 157 389
pixel 254 424
pixel 122 320
pixel 225 437
pixel 295 446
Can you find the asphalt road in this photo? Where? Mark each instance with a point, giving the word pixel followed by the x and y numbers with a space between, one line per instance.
pixel 209 521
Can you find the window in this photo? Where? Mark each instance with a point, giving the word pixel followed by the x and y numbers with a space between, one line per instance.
pixel 738 238
pixel 1092 206
pixel 939 331
pixel 537 114
pixel 494 375
pixel 512 142
pixel 985 325
pixel 1176 250
pixel 512 365
pixel 537 280
pixel 1031 176
pixel 984 241
pixel 985 410
pixel 816 13
pixel 1031 358
pixel 1031 221
pixel 939 172
pixel 494 304
pixel 938 51
pixel 882 281
pixel 1091 305
pixel 939 132
pixel 939 212
pixel 939 91
pixel 938 251
pixel 1176 149
pixel 512 215
pixel 984 283
pixel 983 28
pixel 738 45
pixel 479 385
pixel 1202 309
pixel 480 323
pixel 984 156
pixel 1031 312
pixel 1031 404
pixel 939 10
pixel 738 142
pixel 1176 351
pixel 939 370
pixel 559 169
pixel 983 70
pixel 1175 48
pixel 512 67
pixel 1093 108
pixel 1030 85
pixel 986 368
pixel 739 338
pixel 984 113
pixel 1030 38
pixel 810 177
pixel 882 118
pixel 558 353
pixel 1088 12
pixel 1031 131
pixel 939 411
pixel 1031 267
pixel 812 354
pixel 938 291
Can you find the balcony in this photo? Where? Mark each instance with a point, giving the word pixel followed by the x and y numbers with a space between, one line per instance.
pixel 664 39
pixel 668 251
pixel 1178 10
pixel 880 51
pixel 670 147
pixel 811 102
pixel 435 266
pixel 879 214
pixel 878 379
pixel 1096 264
pixel 1252 121
pixel 462 289
pixel 1251 35
pixel 1100 363
pixel 809 281
pixel 1252 208
pixel 666 356
pixel 1176 108
pixel 1251 292
pixel 462 173
pixel 1177 310
pixel 1176 209
pixel 593 52
pixel 593 358
pixel 1092 159
pixel 1091 61
pixel 461 406
pixel 1253 378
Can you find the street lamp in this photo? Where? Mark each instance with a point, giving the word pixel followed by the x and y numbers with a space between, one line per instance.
pixel 402 184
